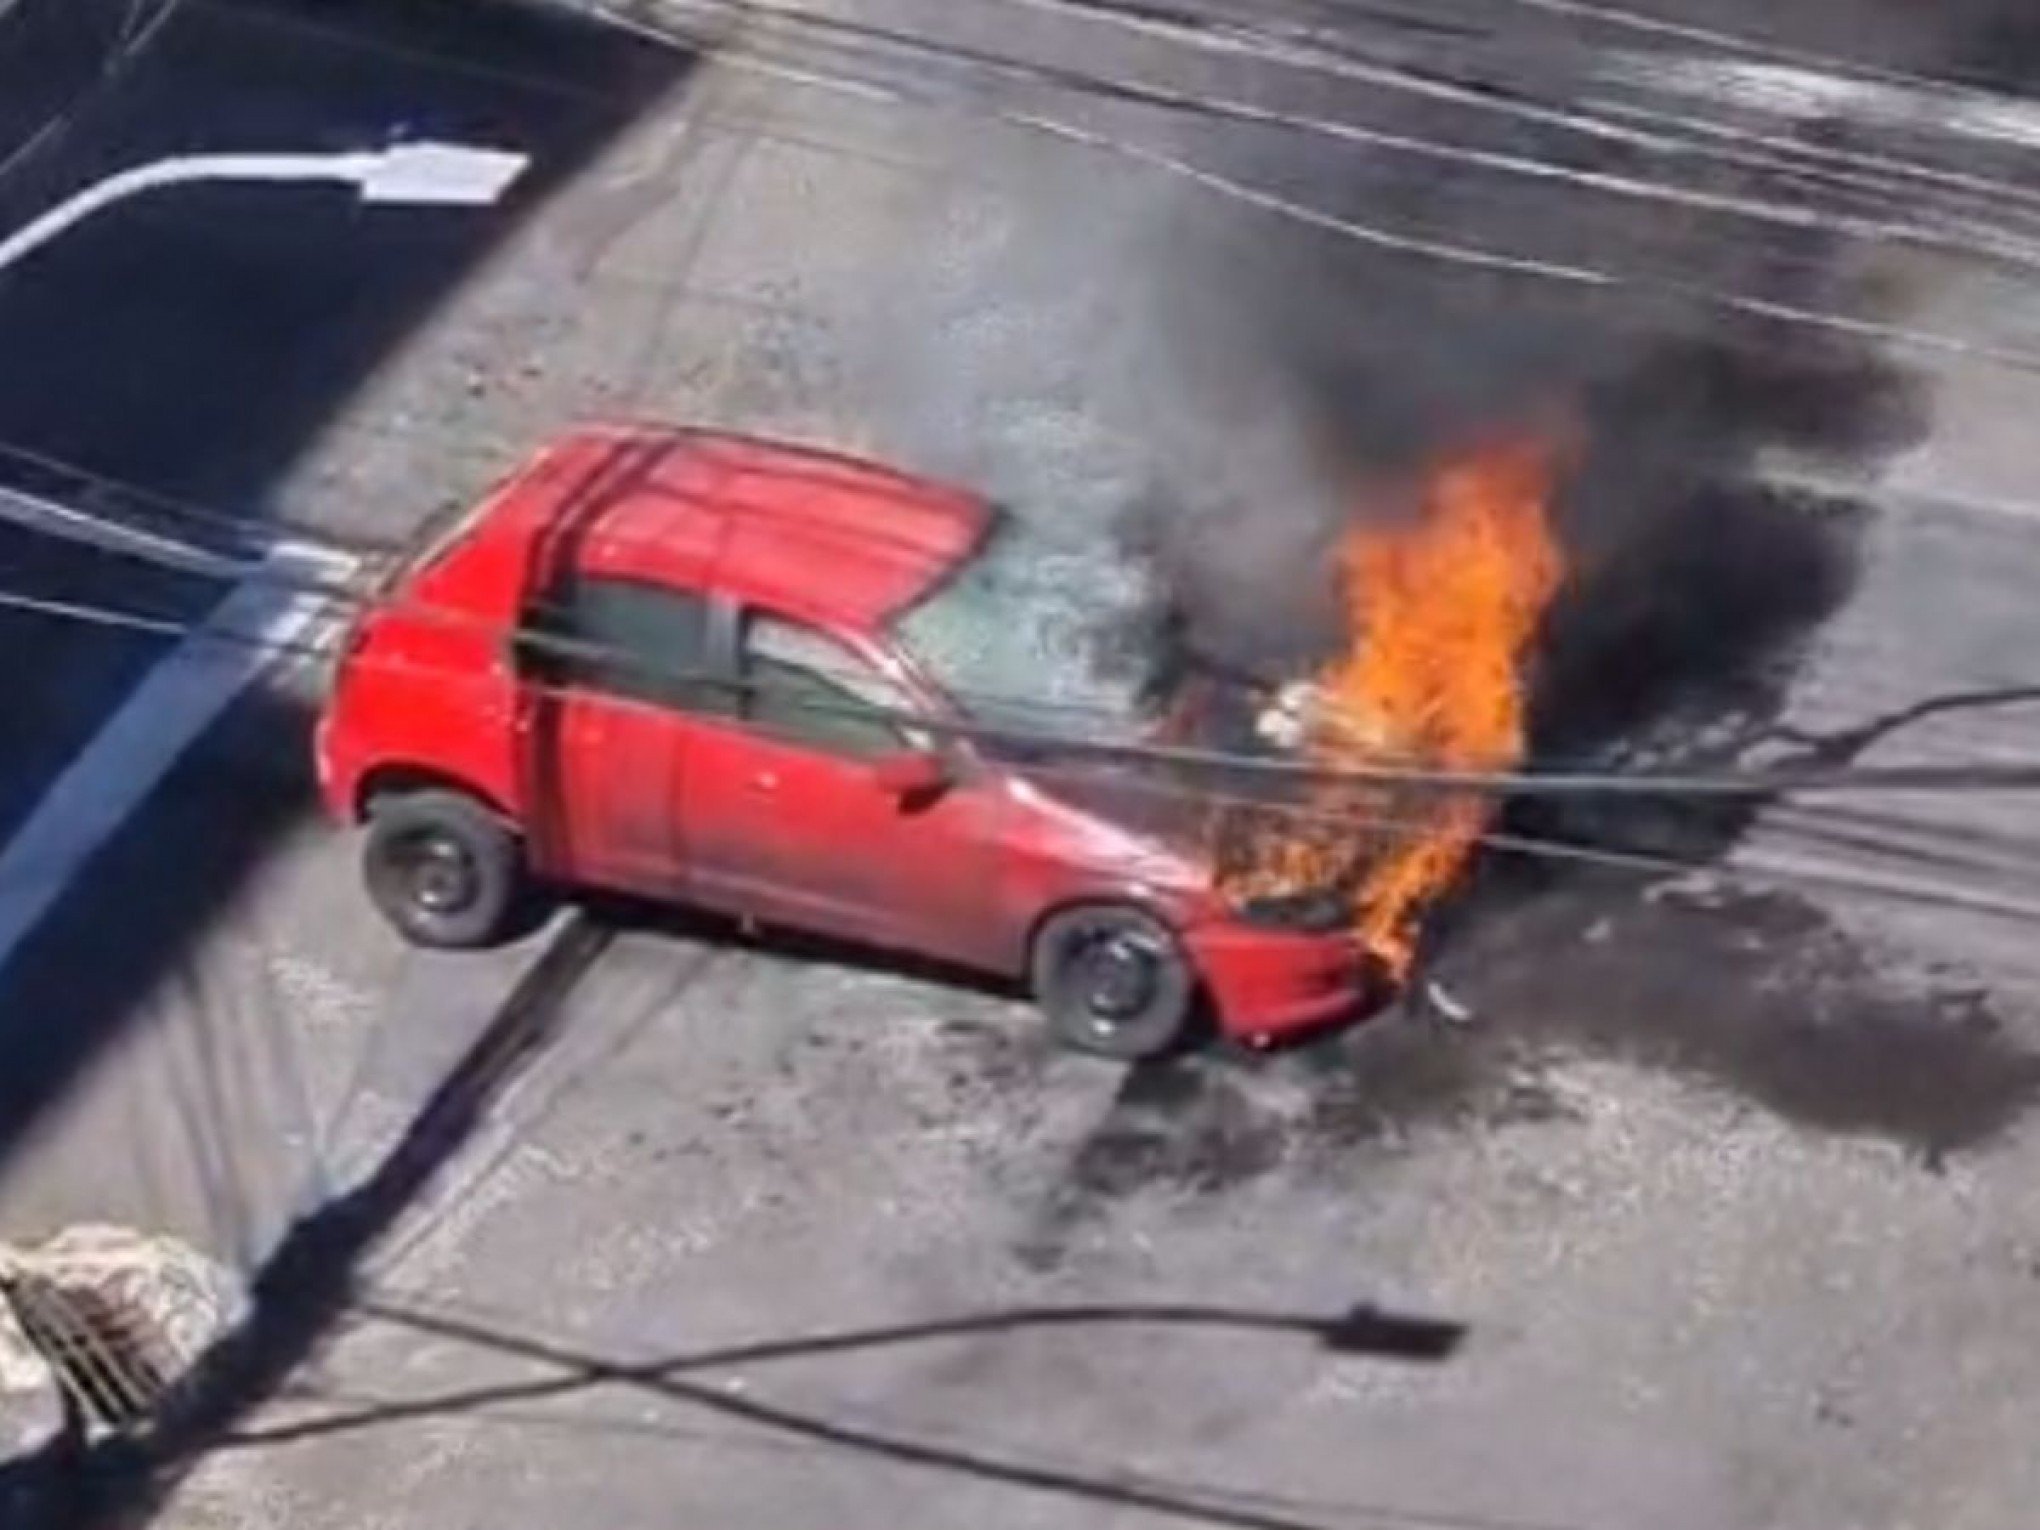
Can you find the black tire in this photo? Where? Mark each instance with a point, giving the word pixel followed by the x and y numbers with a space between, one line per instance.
pixel 1113 981
pixel 444 870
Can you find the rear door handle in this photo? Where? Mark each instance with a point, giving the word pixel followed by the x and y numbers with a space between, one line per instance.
pixel 765 781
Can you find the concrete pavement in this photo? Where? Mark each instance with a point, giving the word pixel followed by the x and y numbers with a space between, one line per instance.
pixel 171 358
pixel 1727 1184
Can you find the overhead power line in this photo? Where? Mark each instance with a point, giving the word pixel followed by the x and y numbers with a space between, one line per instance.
pixel 1752 783
pixel 751 57
pixel 766 14
pixel 1843 879
pixel 305 544
pixel 139 28
pixel 1758 783
pixel 1790 159
pixel 1442 250
pixel 1618 18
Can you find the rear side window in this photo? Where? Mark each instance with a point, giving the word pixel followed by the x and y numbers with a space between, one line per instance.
pixel 641 642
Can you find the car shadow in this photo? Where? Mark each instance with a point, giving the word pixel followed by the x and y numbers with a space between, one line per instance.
pixel 799 947
pixel 315 1278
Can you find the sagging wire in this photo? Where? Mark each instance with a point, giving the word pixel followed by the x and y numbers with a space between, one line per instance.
pixel 1867 171
pixel 823 473
pixel 1489 785
pixel 1125 91
pixel 1748 783
pixel 1315 56
pixel 136 34
pixel 1444 251
pixel 1872 173
pixel 1619 18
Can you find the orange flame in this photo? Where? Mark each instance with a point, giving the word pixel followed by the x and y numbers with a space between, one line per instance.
pixel 1439 615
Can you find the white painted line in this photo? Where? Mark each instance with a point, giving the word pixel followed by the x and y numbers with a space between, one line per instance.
pixel 130 755
pixel 400 175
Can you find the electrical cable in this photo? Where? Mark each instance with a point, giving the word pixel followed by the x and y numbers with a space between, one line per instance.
pixel 134 39
pixel 1029 713
pixel 1316 56
pixel 1869 172
pixel 1618 18
pixel 1613 857
pixel 1754 783
pixel 1528 845
pixel 1127 91
pixel 1443 251
pixel 257 533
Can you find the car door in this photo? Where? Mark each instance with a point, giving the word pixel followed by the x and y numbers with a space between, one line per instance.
pixel 617 688
pixel 790 820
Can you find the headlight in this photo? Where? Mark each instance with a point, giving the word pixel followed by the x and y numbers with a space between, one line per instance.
pixel 1315 913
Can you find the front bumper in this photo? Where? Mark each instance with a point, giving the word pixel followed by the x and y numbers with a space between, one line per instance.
pixel 1266 984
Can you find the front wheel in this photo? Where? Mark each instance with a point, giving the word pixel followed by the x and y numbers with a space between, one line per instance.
pixel 442 868
pixel 1113 981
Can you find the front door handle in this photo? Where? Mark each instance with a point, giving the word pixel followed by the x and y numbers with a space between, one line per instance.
pixel 765 781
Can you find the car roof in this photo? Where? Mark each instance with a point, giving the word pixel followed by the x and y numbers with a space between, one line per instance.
pixel 817 533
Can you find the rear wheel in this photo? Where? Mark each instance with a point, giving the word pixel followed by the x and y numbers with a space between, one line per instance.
pixel 442 868
pixel 1114 981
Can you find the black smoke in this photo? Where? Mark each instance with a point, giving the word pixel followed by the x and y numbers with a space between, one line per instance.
pixel 1326 373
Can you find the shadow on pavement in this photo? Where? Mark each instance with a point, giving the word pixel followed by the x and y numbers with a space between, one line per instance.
pixel 1363 1331
pixel 193 344
pixel 310 1283
pixel 307 1283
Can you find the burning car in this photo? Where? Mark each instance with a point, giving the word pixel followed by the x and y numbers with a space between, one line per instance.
pixel 779 683
pixel 1440 611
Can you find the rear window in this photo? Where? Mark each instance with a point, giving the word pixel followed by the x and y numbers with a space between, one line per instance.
pixel 641 642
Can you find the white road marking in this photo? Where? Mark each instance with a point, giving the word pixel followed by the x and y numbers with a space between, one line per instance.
pixel 400 175
pixel 130 755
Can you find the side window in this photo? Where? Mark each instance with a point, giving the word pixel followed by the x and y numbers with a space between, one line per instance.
pixel 806 687
pixel 642 642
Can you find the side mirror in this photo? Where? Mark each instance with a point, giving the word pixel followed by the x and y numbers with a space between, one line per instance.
pixel 911 773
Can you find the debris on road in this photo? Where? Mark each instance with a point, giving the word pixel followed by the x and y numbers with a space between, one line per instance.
pixel 1444 1004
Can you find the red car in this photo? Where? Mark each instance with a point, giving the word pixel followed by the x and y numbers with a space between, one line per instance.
pixel 688 666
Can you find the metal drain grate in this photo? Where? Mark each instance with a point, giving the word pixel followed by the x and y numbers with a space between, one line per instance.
pixel 101 1350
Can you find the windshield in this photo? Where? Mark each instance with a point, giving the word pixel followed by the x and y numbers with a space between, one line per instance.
pixel 1021 636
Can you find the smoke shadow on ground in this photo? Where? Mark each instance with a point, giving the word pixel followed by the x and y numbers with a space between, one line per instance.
pixel 1758 994
pixel 1750 996
pixel 1675 649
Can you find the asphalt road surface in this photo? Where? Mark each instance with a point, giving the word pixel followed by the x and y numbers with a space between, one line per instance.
pixel 1726 1183
pixel 190 344
pixel 172 356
